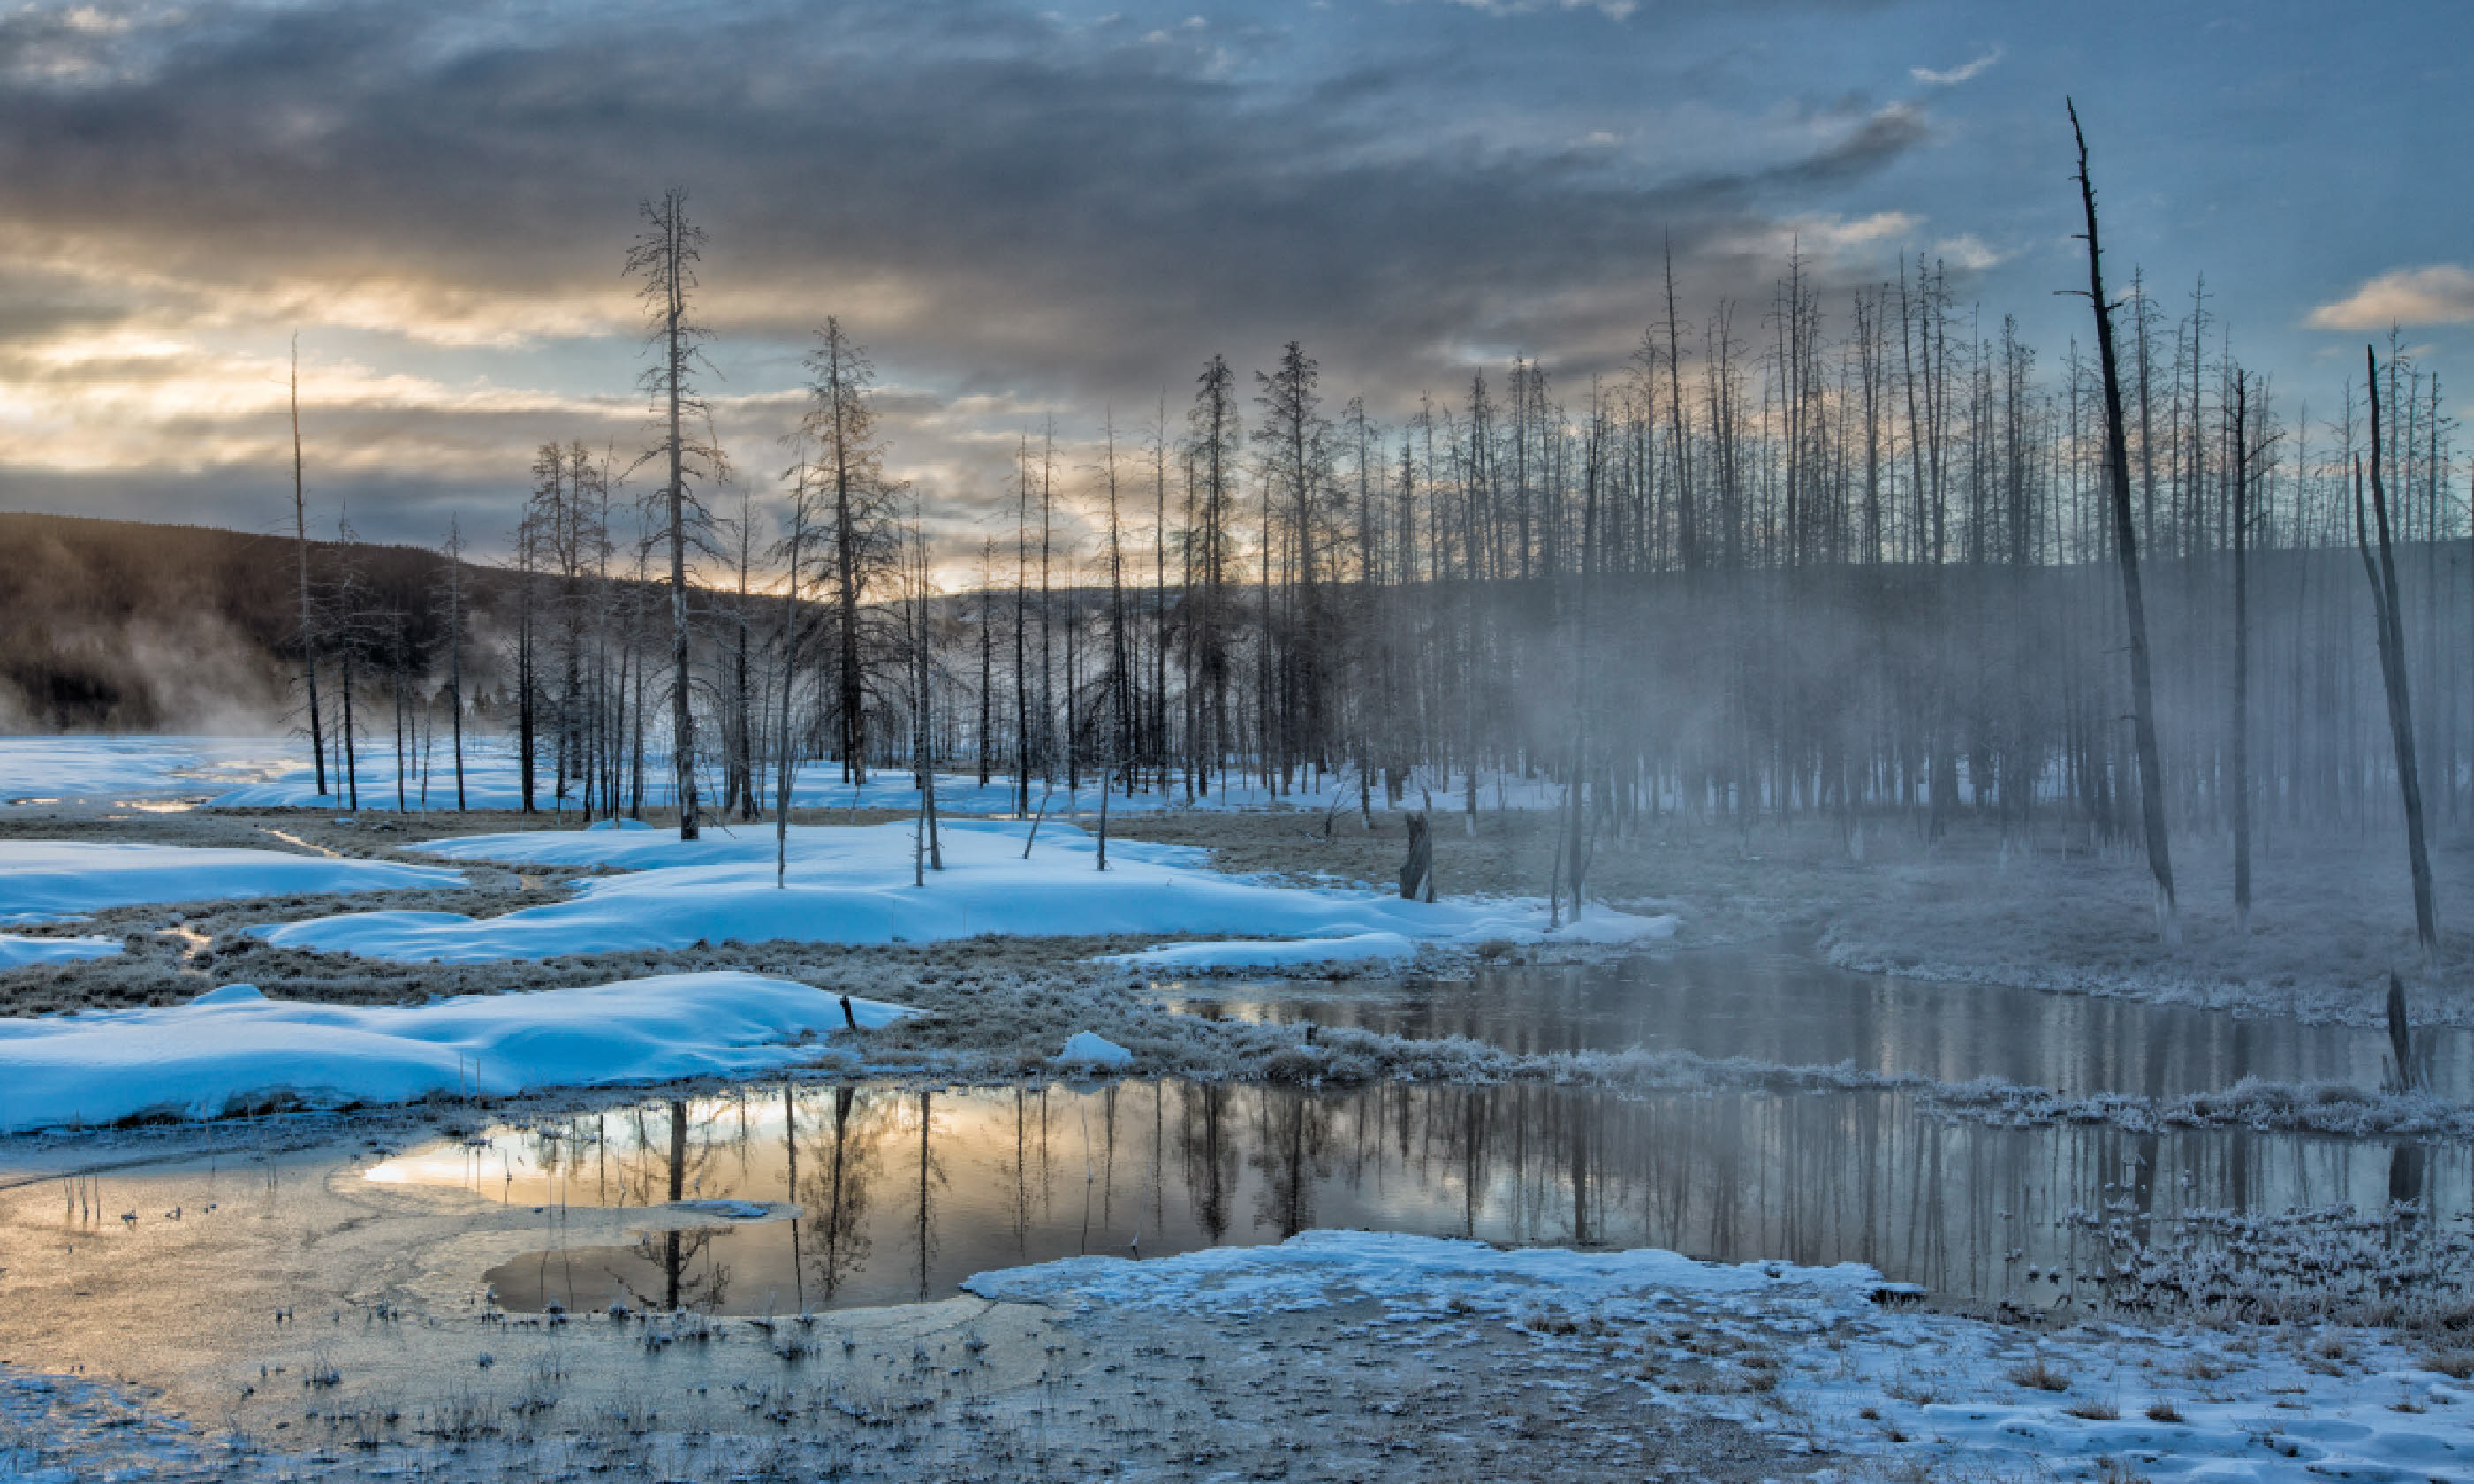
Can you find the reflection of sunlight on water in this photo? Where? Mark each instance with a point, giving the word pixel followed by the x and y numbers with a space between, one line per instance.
pixel 904 1193
pixel 161 805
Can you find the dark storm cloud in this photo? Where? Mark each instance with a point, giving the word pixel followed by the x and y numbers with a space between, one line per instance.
pixel 1020 196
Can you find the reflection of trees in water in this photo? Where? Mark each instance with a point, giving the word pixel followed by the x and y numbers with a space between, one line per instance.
pixel 1207 1146
pixel 831 1242
pixel 1289 1134
pixel 931 1174
pixel 1024 1176
pixel 675 1251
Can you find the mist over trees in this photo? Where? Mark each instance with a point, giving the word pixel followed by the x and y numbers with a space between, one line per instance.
pixel 1848 560
pixel 1843 556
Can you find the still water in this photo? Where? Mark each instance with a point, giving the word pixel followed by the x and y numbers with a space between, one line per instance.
pixel 902 1192
pixel 1777 1007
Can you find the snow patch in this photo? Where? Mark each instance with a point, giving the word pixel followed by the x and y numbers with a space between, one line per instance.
pixel 1297 953
pixel 47 880
pixel 1316 1269
pixel 1089 1048
pixel 17 951
pixel 852 885
pixel 236 1050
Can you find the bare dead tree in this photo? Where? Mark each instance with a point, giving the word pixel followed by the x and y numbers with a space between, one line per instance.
pixel 2391 646
pixel 2117 459
pixel 665 255
pixel 300 548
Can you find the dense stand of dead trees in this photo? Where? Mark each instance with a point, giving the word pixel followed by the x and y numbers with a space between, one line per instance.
pixel 1860 559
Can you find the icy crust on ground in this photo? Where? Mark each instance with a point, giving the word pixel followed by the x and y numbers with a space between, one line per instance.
pixel 1800 1355
pixel 50 881
pixel 16 949
pixel 854 886
pixel 234 1049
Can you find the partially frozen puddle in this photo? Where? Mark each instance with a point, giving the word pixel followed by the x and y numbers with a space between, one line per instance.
pixel 896 1194
pixel 1777 1007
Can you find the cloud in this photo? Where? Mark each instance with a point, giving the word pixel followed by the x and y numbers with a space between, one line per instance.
pixel 1970 253
pixel 2440 293
pixel 1963 72
pixel 1018 215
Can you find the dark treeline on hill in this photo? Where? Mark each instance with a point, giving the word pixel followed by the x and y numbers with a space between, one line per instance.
pixel 112 625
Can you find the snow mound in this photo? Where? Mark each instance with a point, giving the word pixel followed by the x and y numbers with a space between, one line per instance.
pixel 236 1050
pixel 1298 953
pixel 1090 1048
pixel 1317 1269
pixel 17 951
pixel 44 880
pixel 852 884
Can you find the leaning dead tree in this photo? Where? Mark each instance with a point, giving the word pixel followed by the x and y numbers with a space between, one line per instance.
pixel 664 256
pixel 2117 463
pixel 2385 610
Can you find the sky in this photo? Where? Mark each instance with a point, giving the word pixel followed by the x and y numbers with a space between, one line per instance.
pixel 1028 214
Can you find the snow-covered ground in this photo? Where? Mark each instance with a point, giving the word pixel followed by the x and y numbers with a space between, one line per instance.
pixel 108 767
pixel 234 1048
pixel 17 949
pixel 273 772
pixel 61 880
pixel 855 886
pixel 1806 1357
pixel 492 780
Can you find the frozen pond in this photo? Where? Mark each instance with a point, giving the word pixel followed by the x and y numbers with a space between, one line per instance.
pixel 1778 1007
pixel 902 1192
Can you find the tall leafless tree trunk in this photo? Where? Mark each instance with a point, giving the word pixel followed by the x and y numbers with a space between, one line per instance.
pixel 2117 460
pixel 2391 645
pixel 2241 784
pixel 665 255
pixel 300 548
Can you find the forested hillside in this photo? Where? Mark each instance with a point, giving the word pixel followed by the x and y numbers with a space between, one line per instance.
pixel 129 626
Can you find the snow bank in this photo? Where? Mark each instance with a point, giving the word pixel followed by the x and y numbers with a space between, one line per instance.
pixel 1239 954
pixel 854 885
pixel 234 1049
pixel 16 951
pixel 47 880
